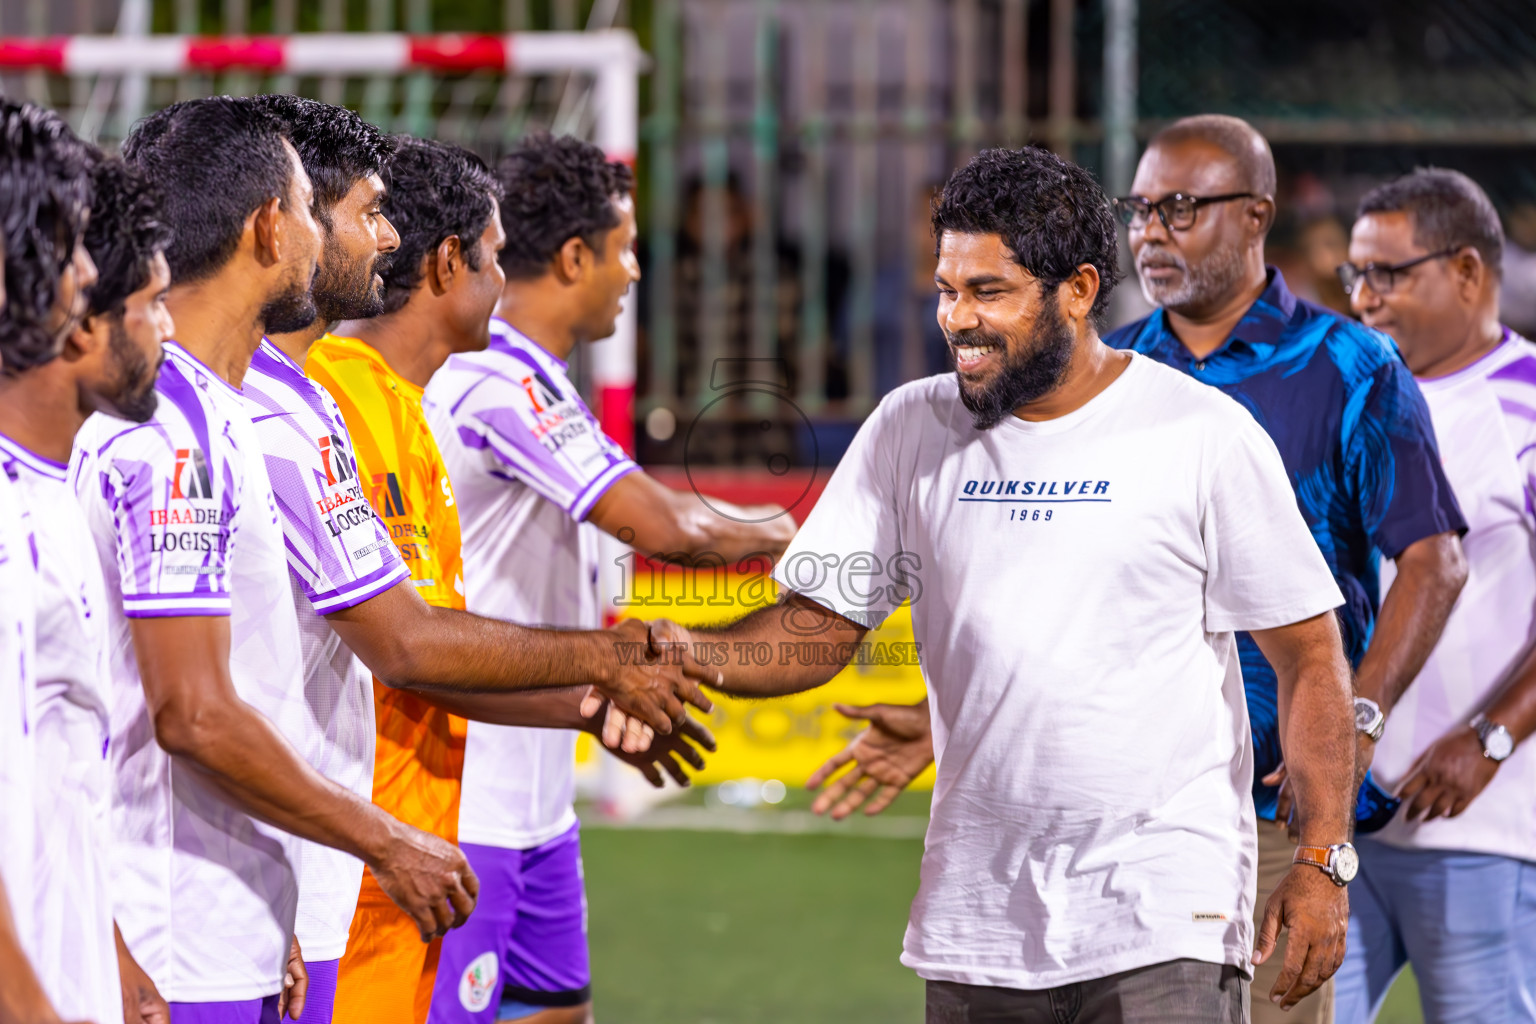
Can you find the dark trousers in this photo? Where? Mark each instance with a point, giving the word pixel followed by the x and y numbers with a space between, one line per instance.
pixel 1179 992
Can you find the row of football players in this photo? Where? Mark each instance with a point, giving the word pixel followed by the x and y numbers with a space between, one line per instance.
pixel 269 731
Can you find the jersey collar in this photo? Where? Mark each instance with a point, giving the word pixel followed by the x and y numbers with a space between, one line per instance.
pixel 39 464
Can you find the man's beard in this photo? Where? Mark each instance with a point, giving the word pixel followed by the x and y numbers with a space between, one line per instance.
pixel 135 398
pixel 1026 375
pixel 293 310
pixel 351 291
pixel 1203 285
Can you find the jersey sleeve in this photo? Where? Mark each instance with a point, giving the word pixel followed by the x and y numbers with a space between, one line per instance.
pixel 1394 464
pixel 172 511
pixel 1263 567
pixel 338 549
pixel 539 431
pixel 856 523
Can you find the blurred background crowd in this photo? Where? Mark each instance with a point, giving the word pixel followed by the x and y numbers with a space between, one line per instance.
pixel 789 148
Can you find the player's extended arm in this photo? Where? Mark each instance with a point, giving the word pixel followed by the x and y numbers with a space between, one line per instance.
pixel 22 999
pixel 807 644
pixel 662 523
pixel 198 716
pixel 412 645
pixel 1430 575
pixel 1449 775
pixel 1317 728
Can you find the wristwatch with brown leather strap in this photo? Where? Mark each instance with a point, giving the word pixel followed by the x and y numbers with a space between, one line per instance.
pixel 1339 862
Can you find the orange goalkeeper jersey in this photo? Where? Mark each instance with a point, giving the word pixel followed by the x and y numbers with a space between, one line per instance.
pixel 420 755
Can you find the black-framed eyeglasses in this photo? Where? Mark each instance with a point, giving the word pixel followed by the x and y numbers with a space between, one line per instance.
pixel 1382 277
pixel 1177 212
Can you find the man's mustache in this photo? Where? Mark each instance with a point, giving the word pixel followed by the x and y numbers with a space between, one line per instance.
pixel 1153 257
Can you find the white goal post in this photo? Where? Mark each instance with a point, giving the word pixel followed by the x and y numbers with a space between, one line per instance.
pixel 612 58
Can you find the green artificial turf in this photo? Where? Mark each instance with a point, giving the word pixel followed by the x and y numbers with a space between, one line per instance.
pixel 699 927
pixel 721 928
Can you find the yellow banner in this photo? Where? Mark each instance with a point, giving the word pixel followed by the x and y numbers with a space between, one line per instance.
pixel 786 738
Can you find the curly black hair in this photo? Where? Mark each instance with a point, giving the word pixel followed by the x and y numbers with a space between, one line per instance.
pixel 435 191
pixel 556 189
pixel 337 147
pixel 214 161
pixel 1051 214
pixel 45 191
pixel 125 232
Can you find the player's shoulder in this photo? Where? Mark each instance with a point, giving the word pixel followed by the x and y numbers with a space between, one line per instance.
pixel 1513 364
pixel 1510 374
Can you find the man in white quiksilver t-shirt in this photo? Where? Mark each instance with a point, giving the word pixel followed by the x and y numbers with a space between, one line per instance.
pixel 1449 885
pixel 1079 532
pixel 535 478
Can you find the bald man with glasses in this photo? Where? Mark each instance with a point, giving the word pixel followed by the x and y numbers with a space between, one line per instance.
pixel 1350 424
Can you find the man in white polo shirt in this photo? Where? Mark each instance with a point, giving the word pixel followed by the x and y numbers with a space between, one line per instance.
pixel 1450 884
pixel 1080 532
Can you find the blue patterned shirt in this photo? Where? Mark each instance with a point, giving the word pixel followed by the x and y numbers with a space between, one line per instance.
pixel 1357 441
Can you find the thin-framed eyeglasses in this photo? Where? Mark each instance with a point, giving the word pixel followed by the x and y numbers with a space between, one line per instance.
pixel 1382 277
pixel 1177 212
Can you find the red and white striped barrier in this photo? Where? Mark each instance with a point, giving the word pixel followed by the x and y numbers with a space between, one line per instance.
pixel 326 53
pixel 612 57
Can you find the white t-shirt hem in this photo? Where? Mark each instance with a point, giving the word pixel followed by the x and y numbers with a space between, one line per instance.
pixel 1513 850
pixel 999 976
pixel 517 839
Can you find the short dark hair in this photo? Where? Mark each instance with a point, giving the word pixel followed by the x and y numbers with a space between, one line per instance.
pixel 556 188
pixel 126 230
pixel 1235 137
pixel 337 147
pixel 1449 211
pixel 214 161
pixel 436 191
pixel 45 191
pixel 1051 214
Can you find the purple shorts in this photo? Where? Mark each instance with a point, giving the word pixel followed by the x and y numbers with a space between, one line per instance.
pixel 241 1011
pixel 526 942
pixel 320 1001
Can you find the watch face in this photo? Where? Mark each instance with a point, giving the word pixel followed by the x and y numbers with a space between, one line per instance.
pixel 1498 744
pixel 1346 863
pixel 1365 714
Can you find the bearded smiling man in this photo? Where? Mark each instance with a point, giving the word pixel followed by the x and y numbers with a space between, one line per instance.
pixel 1352 430
pixel 1086 530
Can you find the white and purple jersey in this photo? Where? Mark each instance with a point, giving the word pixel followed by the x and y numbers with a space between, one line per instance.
pixel 1485 421
pixel 18 653
pixel 339 555
pixel 185 525
pixel 527 460
pixel 72 945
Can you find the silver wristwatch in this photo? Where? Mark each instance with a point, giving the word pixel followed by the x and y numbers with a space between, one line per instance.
pixel 1369 718
pixel 1496 740
pixel 1339 862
